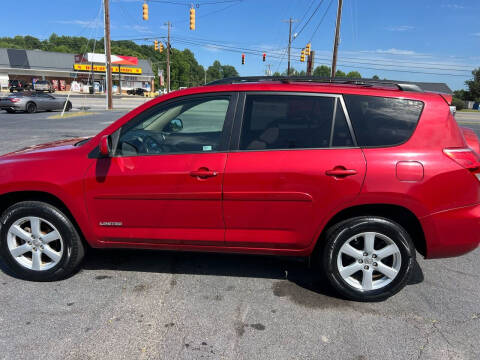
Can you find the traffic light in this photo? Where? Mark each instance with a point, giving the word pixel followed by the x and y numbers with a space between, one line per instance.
pixel 308 49
pixel 145 11
pixel 192 19
pixel 243 59
pixel 264 56
pixel 161 47
pixel 302 55
pixel 155 45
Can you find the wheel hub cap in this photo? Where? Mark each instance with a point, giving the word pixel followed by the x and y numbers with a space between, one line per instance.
pixel 35 243
pixel 369 261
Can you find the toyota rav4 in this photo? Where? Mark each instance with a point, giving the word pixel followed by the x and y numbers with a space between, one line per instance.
pixel 358 175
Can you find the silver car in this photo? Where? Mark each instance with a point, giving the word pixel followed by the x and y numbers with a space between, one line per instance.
pixel 33 102
pixel 43 85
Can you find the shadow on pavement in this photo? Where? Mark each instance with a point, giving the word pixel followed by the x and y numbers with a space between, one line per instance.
pixel 301 284
pixel 295 278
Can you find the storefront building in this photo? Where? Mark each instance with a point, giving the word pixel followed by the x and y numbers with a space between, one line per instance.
pixel 74 72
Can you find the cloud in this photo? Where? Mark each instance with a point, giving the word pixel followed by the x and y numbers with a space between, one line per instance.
pixel 139 28
pixel 85 23
pixel 453 6
pixel 212 48
pixel 394 51
pixel 476 34
pixel 401 28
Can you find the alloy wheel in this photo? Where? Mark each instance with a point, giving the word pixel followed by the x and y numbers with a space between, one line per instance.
pixel 35 243
pixel 369 261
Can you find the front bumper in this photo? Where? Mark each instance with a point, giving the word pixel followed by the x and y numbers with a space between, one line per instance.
pixel 452 232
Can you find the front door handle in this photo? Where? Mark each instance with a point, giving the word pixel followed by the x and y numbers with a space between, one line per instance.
pixel 340 171
pixel 203 173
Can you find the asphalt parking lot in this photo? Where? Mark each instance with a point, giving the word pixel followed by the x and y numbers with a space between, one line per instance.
pixel 162 305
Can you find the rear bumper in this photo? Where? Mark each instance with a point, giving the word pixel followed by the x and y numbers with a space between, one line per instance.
pixel 13 107
pixel 453 232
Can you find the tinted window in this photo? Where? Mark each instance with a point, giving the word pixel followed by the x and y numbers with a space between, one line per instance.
pixel 188 126
pixel 286 122
pixel 379 121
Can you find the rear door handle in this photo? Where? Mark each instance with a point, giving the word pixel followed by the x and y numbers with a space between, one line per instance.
pixel 203 173
pixel 340 172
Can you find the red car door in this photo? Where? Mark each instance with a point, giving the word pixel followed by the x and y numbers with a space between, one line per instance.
pixel 295 165
pixel 164 183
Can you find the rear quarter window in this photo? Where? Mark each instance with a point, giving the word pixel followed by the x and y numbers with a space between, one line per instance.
pixel 380 121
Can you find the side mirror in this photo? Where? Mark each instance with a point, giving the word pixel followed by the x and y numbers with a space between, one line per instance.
pixel 175 125
pixel 105 148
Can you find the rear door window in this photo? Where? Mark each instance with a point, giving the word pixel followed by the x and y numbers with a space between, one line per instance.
pixel 380 121
pixel 293 122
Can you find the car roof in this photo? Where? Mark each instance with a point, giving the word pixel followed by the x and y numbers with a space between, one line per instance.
pixel 308 87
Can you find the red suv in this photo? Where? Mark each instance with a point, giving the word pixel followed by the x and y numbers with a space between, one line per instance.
pixel 358 175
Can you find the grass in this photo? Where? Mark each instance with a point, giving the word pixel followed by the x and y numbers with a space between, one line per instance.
pixel 468 110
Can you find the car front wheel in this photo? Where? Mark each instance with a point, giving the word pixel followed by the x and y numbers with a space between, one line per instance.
pixel 38 242
pixel 368 258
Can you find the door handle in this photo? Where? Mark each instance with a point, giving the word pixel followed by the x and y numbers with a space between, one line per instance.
pixel 203 173
pixel 340 171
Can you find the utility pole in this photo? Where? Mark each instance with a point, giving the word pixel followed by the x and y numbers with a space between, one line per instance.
pixel 290 21
pixel 310 63
pixel 108 54
pixel 168 57
pixel 337 38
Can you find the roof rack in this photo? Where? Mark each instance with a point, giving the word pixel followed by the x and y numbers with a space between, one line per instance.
pixel 400 85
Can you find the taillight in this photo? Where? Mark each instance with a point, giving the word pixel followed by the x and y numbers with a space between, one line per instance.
pixel 466 158
pixel 14 99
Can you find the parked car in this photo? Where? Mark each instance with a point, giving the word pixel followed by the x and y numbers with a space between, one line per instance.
pixel 136 91
pixel 357 176
pixel 33 102
pixel 19 85
pixel 43 85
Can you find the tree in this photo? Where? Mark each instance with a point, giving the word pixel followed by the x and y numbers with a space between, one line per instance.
pixel 229 71
pixel 375 77
pixel 322 71
pixel 354 75
pixel 185 70
pixel 276 73
pixel 461 94
pixel 458 103
pixel 474 85
pixel 340 73
pixel 218 71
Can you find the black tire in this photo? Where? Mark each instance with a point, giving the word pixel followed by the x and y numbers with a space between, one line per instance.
pixel 69 106
pixel 31 108
pixel 10 111
pixel 345 230
pixel 73 252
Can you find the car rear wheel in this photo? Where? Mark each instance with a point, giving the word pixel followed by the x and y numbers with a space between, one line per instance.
pixel 368 258
pixel 38 242
pixel 69 106
pixel 10 111
pixel 31 107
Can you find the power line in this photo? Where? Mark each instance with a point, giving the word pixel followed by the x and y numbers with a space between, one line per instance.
pixel 304 15
pixel 353 66
pixel 310 18
pixel 321 20
pixel 198 4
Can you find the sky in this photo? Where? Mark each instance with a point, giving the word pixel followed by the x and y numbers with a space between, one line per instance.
pixel 413 40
